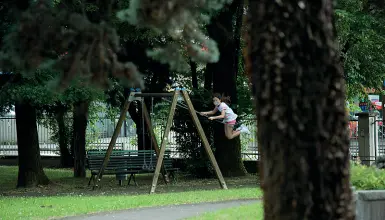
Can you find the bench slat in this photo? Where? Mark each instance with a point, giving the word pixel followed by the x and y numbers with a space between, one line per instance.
pixel 127 161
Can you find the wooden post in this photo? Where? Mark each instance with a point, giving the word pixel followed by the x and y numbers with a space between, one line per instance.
pixel 202 135
pixel 113 140
pixel 164 141
pixel 153 139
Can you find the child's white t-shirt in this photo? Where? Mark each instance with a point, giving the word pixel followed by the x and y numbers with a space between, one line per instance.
pixel 229 114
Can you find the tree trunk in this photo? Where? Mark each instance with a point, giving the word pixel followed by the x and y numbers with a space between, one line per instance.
pixel 221 29
pixel 66 159
pixel 79 137
pixel 135 112
pixel 208 84
pixel 194 74
pixel 31 171
pixel 300 101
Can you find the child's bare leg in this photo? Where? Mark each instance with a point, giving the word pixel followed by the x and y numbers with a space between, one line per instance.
pixel 227 131
pixel 230 134
pixel 236 134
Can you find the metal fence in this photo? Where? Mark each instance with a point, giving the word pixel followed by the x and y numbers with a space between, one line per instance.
pixel 99 135
pixel 379 140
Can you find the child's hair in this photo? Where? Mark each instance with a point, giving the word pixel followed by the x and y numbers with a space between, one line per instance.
pixel 225 99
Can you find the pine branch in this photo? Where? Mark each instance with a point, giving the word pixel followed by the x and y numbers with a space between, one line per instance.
pixel 178 19
pixel 44 30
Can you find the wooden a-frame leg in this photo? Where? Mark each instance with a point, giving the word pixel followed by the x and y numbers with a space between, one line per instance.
pixel 164 141
pixel 113 139
pixel 204 139
pixel 153 139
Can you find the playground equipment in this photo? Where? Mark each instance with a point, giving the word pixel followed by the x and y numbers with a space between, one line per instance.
pixel 137 95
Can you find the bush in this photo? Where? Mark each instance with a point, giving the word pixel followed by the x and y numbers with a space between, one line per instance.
pixel 367 178
pixel 189 144
pixel 380 162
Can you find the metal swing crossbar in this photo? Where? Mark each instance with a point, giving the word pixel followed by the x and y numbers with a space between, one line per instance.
pixel 136 95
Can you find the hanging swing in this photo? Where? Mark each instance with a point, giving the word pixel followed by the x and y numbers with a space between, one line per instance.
pixel 150 153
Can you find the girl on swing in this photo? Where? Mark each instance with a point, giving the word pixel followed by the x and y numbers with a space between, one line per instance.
pixel 229 117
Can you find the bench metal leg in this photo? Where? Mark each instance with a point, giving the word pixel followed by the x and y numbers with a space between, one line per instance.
pixel 132 176
pixel 129 180
pixel 95 181
pixel 166 178
pixel 173 176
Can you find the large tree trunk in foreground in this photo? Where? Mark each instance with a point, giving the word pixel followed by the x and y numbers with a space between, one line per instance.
pixel 300 96
pixel 224 73
pixel 79 138
pixel 30 169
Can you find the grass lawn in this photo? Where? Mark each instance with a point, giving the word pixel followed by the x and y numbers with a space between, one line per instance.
pixel 69 196
pixel 63 184
pixel 244 212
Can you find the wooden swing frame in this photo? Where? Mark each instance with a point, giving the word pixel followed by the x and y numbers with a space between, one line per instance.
pixel 160 152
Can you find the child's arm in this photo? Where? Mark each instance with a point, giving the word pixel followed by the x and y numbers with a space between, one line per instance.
pixel 222 115
pixel 210 112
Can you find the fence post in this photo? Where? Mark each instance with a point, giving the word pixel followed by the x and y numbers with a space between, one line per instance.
pixel 367 137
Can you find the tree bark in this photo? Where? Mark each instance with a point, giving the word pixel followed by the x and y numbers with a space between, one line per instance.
pixel 31 171
pixel 194 74
pixel 300 102
pixel 222 30
pixel 208 84
pixel 79 137
pixel 66 160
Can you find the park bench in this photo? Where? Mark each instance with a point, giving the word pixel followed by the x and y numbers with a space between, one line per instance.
pixel 123 162
pixel 104 146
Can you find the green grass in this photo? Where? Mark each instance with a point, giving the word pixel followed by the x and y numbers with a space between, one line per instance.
pixel 63 184
pixel 244 212
pixel 45 207
pixel 69 196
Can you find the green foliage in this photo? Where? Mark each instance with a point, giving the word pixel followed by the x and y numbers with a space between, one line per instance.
pixel 361 37
pixel 92 132
pixel 181 21
pixel 49 121
pixel 350 5
pixel 245 106
pixel 189 144
pixel 367 178
pixel 30 88
pixel 33 88
pixel 48 37
pixel 5 18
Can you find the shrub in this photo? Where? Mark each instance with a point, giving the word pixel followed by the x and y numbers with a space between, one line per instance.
pixel 367 177
pixel 380 162
pixel 189 144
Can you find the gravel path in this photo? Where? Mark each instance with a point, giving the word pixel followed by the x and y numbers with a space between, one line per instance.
pixel 165 212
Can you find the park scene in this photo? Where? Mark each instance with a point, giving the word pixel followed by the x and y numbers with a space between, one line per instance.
pixel 200 109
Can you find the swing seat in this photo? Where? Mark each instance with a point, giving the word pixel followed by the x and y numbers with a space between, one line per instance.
pixel 123 162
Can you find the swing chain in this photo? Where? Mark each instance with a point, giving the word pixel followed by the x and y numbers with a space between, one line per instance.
pixel 143 137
